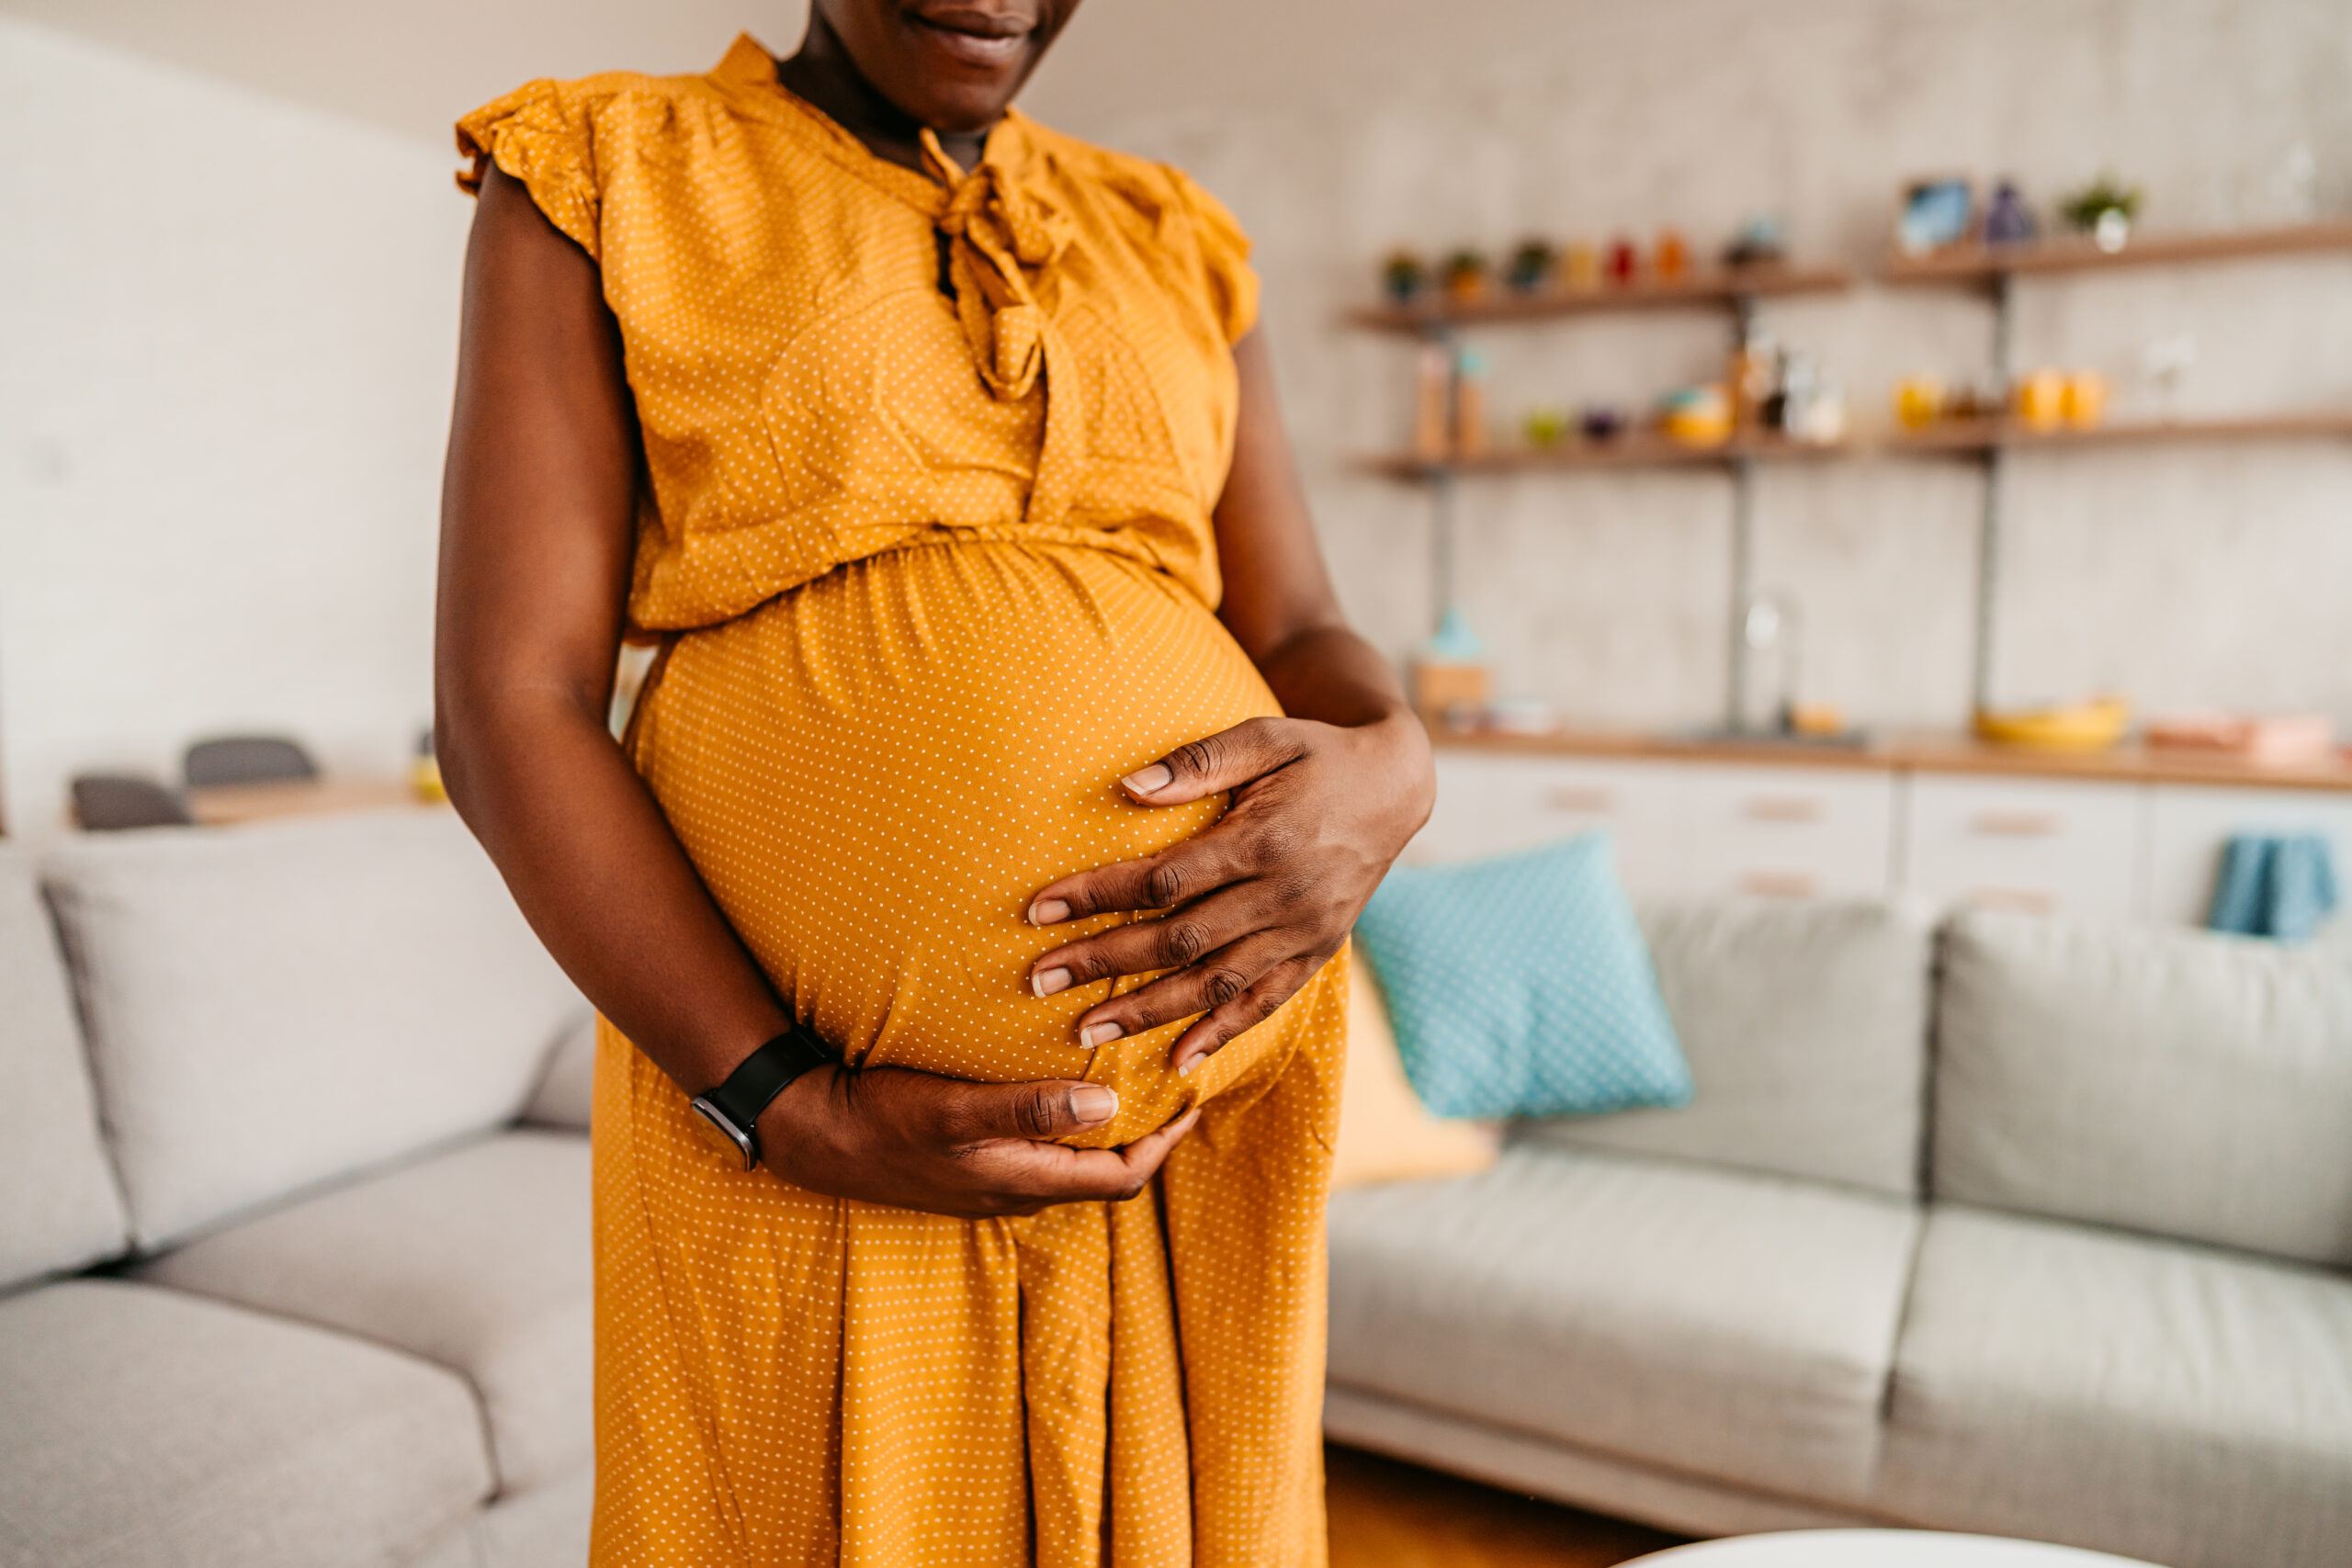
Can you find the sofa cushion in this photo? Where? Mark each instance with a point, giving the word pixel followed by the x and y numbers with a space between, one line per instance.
pixel 59 1207
pixel 476 1260
pixel 1716 1323
pixel 148 1428
pixel 1518 985
pixel 1806 1026
pixel 278 1004
pixel 2189 1407
pixel 2172 1081
pixel 566 1087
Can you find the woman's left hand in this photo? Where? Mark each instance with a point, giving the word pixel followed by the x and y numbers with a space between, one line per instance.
pixel 1261 899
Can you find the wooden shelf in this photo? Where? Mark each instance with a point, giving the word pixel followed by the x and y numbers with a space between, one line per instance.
pixel 1635 449
pixel 1975 435
pixel 1949 438
pixel 1985 263
pixel 1717 287
pixel 1925 754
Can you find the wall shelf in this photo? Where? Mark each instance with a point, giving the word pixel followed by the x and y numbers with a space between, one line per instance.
pixel 1972 438
pixel 1639 449
pixel 1967 438
pixel 1712 288
pixel 1987 263
pixel 1989 442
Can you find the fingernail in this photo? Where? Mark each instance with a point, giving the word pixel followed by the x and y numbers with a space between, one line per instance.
pixel 1099 1033
pixel 1052 980
pixel 1090 1102
pixel 1049 912
pixel 1150 780
pixel 1190 1063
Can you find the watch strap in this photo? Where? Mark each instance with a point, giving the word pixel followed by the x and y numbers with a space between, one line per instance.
pixel 759 1078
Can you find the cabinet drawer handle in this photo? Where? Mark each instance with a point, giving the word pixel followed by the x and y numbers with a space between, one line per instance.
pixel 2025 900
pixel 1777 884
pixel 2018 824
pixel 1583 799
pixel 1783 808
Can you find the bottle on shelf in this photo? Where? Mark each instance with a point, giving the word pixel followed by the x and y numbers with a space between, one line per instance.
pixel 1469 404
pixel 1432 404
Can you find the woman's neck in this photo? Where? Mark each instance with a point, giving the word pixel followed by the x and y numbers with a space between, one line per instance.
pixel 823 74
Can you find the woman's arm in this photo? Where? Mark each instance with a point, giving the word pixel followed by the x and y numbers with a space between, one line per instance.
pixel 1323 799
pixel 538 525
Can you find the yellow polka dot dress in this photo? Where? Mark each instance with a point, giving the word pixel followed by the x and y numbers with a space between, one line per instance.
pixel 930 464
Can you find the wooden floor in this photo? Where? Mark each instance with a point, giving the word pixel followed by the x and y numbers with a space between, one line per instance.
pixel 1387 1515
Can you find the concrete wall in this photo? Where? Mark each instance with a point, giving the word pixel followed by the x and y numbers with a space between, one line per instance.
pixel 2182 577
pixel 229 311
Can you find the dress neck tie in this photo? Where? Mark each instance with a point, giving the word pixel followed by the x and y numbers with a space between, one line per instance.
pixel 1002 238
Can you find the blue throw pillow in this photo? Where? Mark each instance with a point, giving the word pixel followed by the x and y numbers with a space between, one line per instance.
pixel 1520 986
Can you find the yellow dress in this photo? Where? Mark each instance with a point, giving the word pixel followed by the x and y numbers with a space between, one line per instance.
pixel 930 464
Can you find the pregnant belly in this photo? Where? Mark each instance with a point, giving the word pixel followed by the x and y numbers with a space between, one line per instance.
pixel 874 773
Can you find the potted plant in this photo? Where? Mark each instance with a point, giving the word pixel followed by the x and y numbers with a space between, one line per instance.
pixel 1403 277
pixel 1465 275
pixel 2104 209
pixel 1531 265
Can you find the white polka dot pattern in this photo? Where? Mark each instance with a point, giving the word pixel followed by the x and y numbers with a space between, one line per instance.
pixel 1520 986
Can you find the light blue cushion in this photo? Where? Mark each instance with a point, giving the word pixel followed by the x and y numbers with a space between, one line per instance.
pixel 1519 985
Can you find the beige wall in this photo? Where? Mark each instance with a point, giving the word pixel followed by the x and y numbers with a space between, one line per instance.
pixel 1336 130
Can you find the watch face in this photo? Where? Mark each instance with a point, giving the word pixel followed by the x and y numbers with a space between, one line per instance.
pixel 723 1134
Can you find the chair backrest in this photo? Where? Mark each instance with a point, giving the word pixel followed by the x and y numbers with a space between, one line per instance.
pixel 105 802
pixel 245 759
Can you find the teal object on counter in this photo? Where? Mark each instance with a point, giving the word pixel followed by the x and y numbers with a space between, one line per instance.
pixel 1520 986
pixel 1455 643
pixel 2281 886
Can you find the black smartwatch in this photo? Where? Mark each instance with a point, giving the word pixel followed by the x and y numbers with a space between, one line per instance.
pixel 732 1110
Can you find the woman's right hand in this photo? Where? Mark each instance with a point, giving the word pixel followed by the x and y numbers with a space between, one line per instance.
pixel 916 1140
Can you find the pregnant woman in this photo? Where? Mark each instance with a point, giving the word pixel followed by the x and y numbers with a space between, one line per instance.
pixel 966 901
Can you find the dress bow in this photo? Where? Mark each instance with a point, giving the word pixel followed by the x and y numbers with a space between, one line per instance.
pixel 1002 238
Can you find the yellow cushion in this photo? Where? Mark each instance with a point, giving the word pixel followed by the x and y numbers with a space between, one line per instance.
pixel 1385 1132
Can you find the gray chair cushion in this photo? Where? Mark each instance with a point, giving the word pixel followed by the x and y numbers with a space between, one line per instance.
pixel 58 1209
pixel 149 1429
pixel 2170 1081
pixel 275 1006
pixel 1806 1026
pixel 1729 1325
pixel 476 1260
pixel 2164 1402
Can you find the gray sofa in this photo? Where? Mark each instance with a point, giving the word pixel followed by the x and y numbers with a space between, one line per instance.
pixel 2027 1227
pixel 294 1231
pixel 339 1312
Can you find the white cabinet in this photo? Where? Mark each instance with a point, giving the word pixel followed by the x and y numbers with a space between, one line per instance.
pixel 2187 826
pixel 1800 833
pixel 1491 802
pixel 2030 845
pixel 1711 828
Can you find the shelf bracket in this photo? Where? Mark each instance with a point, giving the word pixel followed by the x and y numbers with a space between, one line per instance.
pixel 1989 516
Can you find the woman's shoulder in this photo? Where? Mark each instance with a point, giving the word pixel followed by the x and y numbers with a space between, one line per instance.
pixel 608 103
pixel 558 136
pixel 1164 208
pixel 1154 190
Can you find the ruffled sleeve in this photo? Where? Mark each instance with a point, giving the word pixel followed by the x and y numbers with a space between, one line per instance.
pixel 541 134
pixel 1225 257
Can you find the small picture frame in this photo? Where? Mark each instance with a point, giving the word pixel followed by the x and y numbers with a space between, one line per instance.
pixel 1935 212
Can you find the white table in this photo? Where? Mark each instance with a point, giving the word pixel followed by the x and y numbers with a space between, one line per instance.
pixel 1879 1549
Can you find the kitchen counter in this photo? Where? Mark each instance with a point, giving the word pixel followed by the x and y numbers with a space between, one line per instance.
pixel 1920 752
